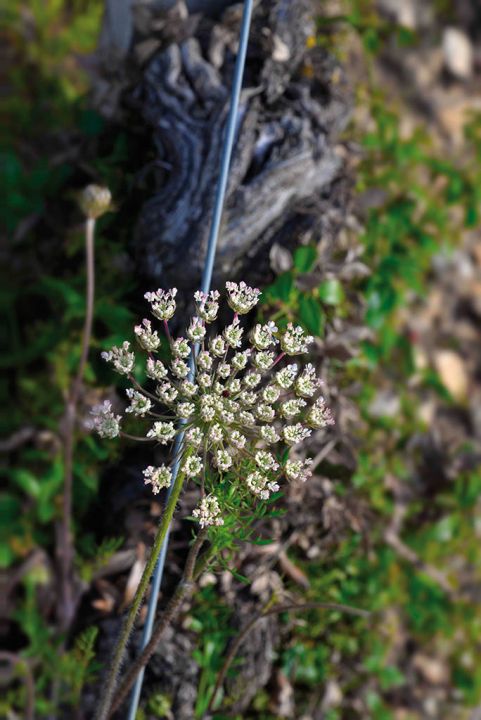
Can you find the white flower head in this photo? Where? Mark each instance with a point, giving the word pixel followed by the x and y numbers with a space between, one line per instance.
pixel 241 297
pixel 204 380
pixel 188 388
pixel 218 388
pixel 237 440
pixel 158 477
pixel 252 379
pixel 223 460
pixel 208 512
pixel 266 461
pixel 205 360
pixel 285 377
pixel 246 418
pixel 121 358
pixel 194 437
pixel 224 370
pixel 147 338
pixel 307 382
pixel 217 346
pixel 320 415
pixel 240 359
pixel 185 410
pixel 265 412
pixel 216 434
pixel 235 386
pixel 298 469
pixel 180 368
pixel 156 369
pixel 192 466
pixel 264 360
pixel 248 398
pixel 263 336
pixel 181 348
pixel 291 408
pixel 261 485
pixel 163 432
pixel 167 393
pixel 271 393
pixel 294 434
pixel 139 404
pixel 104 421
pixel 207 305
pixel 294 340
pixel 162 302
pixel 231 405
pixel 227 416
pixel 269 434
pixel 208 408
pixel 233 333
pixel 196 330
pixel 238 408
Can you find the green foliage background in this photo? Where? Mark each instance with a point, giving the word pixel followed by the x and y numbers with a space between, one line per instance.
pixel 42 320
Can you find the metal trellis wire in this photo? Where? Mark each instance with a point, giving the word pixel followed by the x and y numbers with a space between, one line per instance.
pixel 230 132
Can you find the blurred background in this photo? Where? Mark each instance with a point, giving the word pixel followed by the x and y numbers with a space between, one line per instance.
pixel 353 203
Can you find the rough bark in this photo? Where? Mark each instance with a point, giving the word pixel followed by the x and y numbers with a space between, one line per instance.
pixel 294 105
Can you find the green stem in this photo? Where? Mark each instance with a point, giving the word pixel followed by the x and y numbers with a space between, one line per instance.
pixel 183 592
pixel 111 683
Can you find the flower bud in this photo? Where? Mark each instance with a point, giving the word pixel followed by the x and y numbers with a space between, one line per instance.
pixel 95 201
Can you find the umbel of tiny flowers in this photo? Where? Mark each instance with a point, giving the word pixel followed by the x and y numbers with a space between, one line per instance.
pixel 104 421
pixel 237 409
pixel 239 406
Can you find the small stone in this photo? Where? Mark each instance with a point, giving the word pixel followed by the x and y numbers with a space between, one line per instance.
pixel 281 52
pixel 433 670
pixel 411 14
pixel 206 579
pixel 333 695
pixel 280 259
pixel 426 412
pixel 385 404
pixel 452 372
pixel 458 53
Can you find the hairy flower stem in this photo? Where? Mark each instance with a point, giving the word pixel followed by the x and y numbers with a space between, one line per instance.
pixel 182 592
pixel 127 436
pixel 64 538
pixel 266 612
pixel 116 663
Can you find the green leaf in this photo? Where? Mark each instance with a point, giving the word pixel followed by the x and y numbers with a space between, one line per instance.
pixel 27 481
pixel 331 292
pixel 60 288
pixel 49 487
pixel 115 316
pixel 9 509
pixel 305 257
pixel 311 315
pixel 6 556
pixel 281 287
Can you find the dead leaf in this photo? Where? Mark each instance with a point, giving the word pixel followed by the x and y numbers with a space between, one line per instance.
pixel 293 571
pixel 452 371
pixel 134 576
